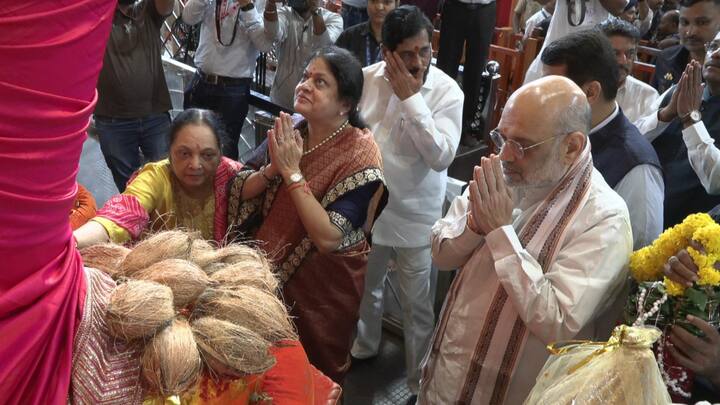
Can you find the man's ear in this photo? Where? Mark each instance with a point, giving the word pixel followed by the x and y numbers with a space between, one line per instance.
pixel 574 145
pixel 593 91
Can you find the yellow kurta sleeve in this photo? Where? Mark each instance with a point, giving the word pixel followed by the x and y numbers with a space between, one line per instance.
pixel 152 186
pixel 116 233
pixel 153 189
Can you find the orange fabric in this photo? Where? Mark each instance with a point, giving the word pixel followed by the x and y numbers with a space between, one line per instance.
pixel 327 391
pixel 242 391
pixel 290 382
pixel 83 209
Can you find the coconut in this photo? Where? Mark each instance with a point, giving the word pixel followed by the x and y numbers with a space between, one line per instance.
pixel 171 362
pixel 139 309
pixel 212 268
pixel 235 253
pixel 247 272
pixel 202 252
pixel 250 307
pixel 213 260
pixel 186 280
pixel 225 345
pixel 158 247
pixel 105 257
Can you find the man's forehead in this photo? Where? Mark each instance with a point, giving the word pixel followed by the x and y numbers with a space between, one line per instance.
pixel 523 121
pixel 700 10
pixel 621 41
pixel 416 41
pixel 557 70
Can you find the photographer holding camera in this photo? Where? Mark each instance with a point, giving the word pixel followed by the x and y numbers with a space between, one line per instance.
pixel 133 99
pixel 299 28
pixel 232 36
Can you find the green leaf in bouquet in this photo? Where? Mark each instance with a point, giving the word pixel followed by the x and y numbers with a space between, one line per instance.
pixel 698 298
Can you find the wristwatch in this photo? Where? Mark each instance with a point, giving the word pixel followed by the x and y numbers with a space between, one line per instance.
pixel 295 178
pixel 248 7
pixel 691 118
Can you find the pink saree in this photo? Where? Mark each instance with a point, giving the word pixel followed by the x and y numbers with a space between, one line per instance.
pixel 51 52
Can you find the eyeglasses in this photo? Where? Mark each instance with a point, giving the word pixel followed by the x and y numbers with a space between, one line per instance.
pixel 712 47
pixel 515 148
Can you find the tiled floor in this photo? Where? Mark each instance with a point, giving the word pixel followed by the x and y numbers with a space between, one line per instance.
pixel 380 381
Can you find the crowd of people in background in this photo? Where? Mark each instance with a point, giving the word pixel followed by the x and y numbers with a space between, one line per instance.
pixel 589 164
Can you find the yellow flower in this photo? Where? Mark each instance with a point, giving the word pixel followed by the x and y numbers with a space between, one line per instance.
pixel 646 264
pixel 709 237
pixel 673 288
pixel 694 222
pixel 700 259
pixel 708 276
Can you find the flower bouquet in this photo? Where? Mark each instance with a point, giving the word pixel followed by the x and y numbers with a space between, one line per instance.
pixel 659 301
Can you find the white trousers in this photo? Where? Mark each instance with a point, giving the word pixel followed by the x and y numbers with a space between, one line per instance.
pixel 413 275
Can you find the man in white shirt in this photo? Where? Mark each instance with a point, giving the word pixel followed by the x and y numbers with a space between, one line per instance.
pixel 415 111
pixel 620 153
pixel 541 242
pixel 298 29
pixel 231 38
pixel 635 98
pixel 569 17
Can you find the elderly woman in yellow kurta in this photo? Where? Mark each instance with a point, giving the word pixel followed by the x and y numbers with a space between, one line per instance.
pixel 186 190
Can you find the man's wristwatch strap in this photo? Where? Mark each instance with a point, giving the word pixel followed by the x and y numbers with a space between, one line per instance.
pixel 691 118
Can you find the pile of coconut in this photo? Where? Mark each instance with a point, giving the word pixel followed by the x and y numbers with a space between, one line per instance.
pixel 194 307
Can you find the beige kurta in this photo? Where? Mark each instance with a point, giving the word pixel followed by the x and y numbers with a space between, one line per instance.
pixel 561 302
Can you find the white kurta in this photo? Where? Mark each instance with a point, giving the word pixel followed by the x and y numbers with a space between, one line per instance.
pixel 564 302
pixel 704 156
pixel 637 99
pixel 649 125
pixel 418 138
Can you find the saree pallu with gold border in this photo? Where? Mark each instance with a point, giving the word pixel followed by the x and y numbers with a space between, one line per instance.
pixel 322 290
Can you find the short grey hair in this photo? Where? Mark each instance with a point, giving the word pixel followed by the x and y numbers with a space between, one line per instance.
pixel 577 117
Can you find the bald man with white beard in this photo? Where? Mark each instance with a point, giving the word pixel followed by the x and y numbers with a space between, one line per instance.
pixel 542 244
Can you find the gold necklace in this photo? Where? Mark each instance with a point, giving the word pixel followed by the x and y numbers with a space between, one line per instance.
pixel 337 131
